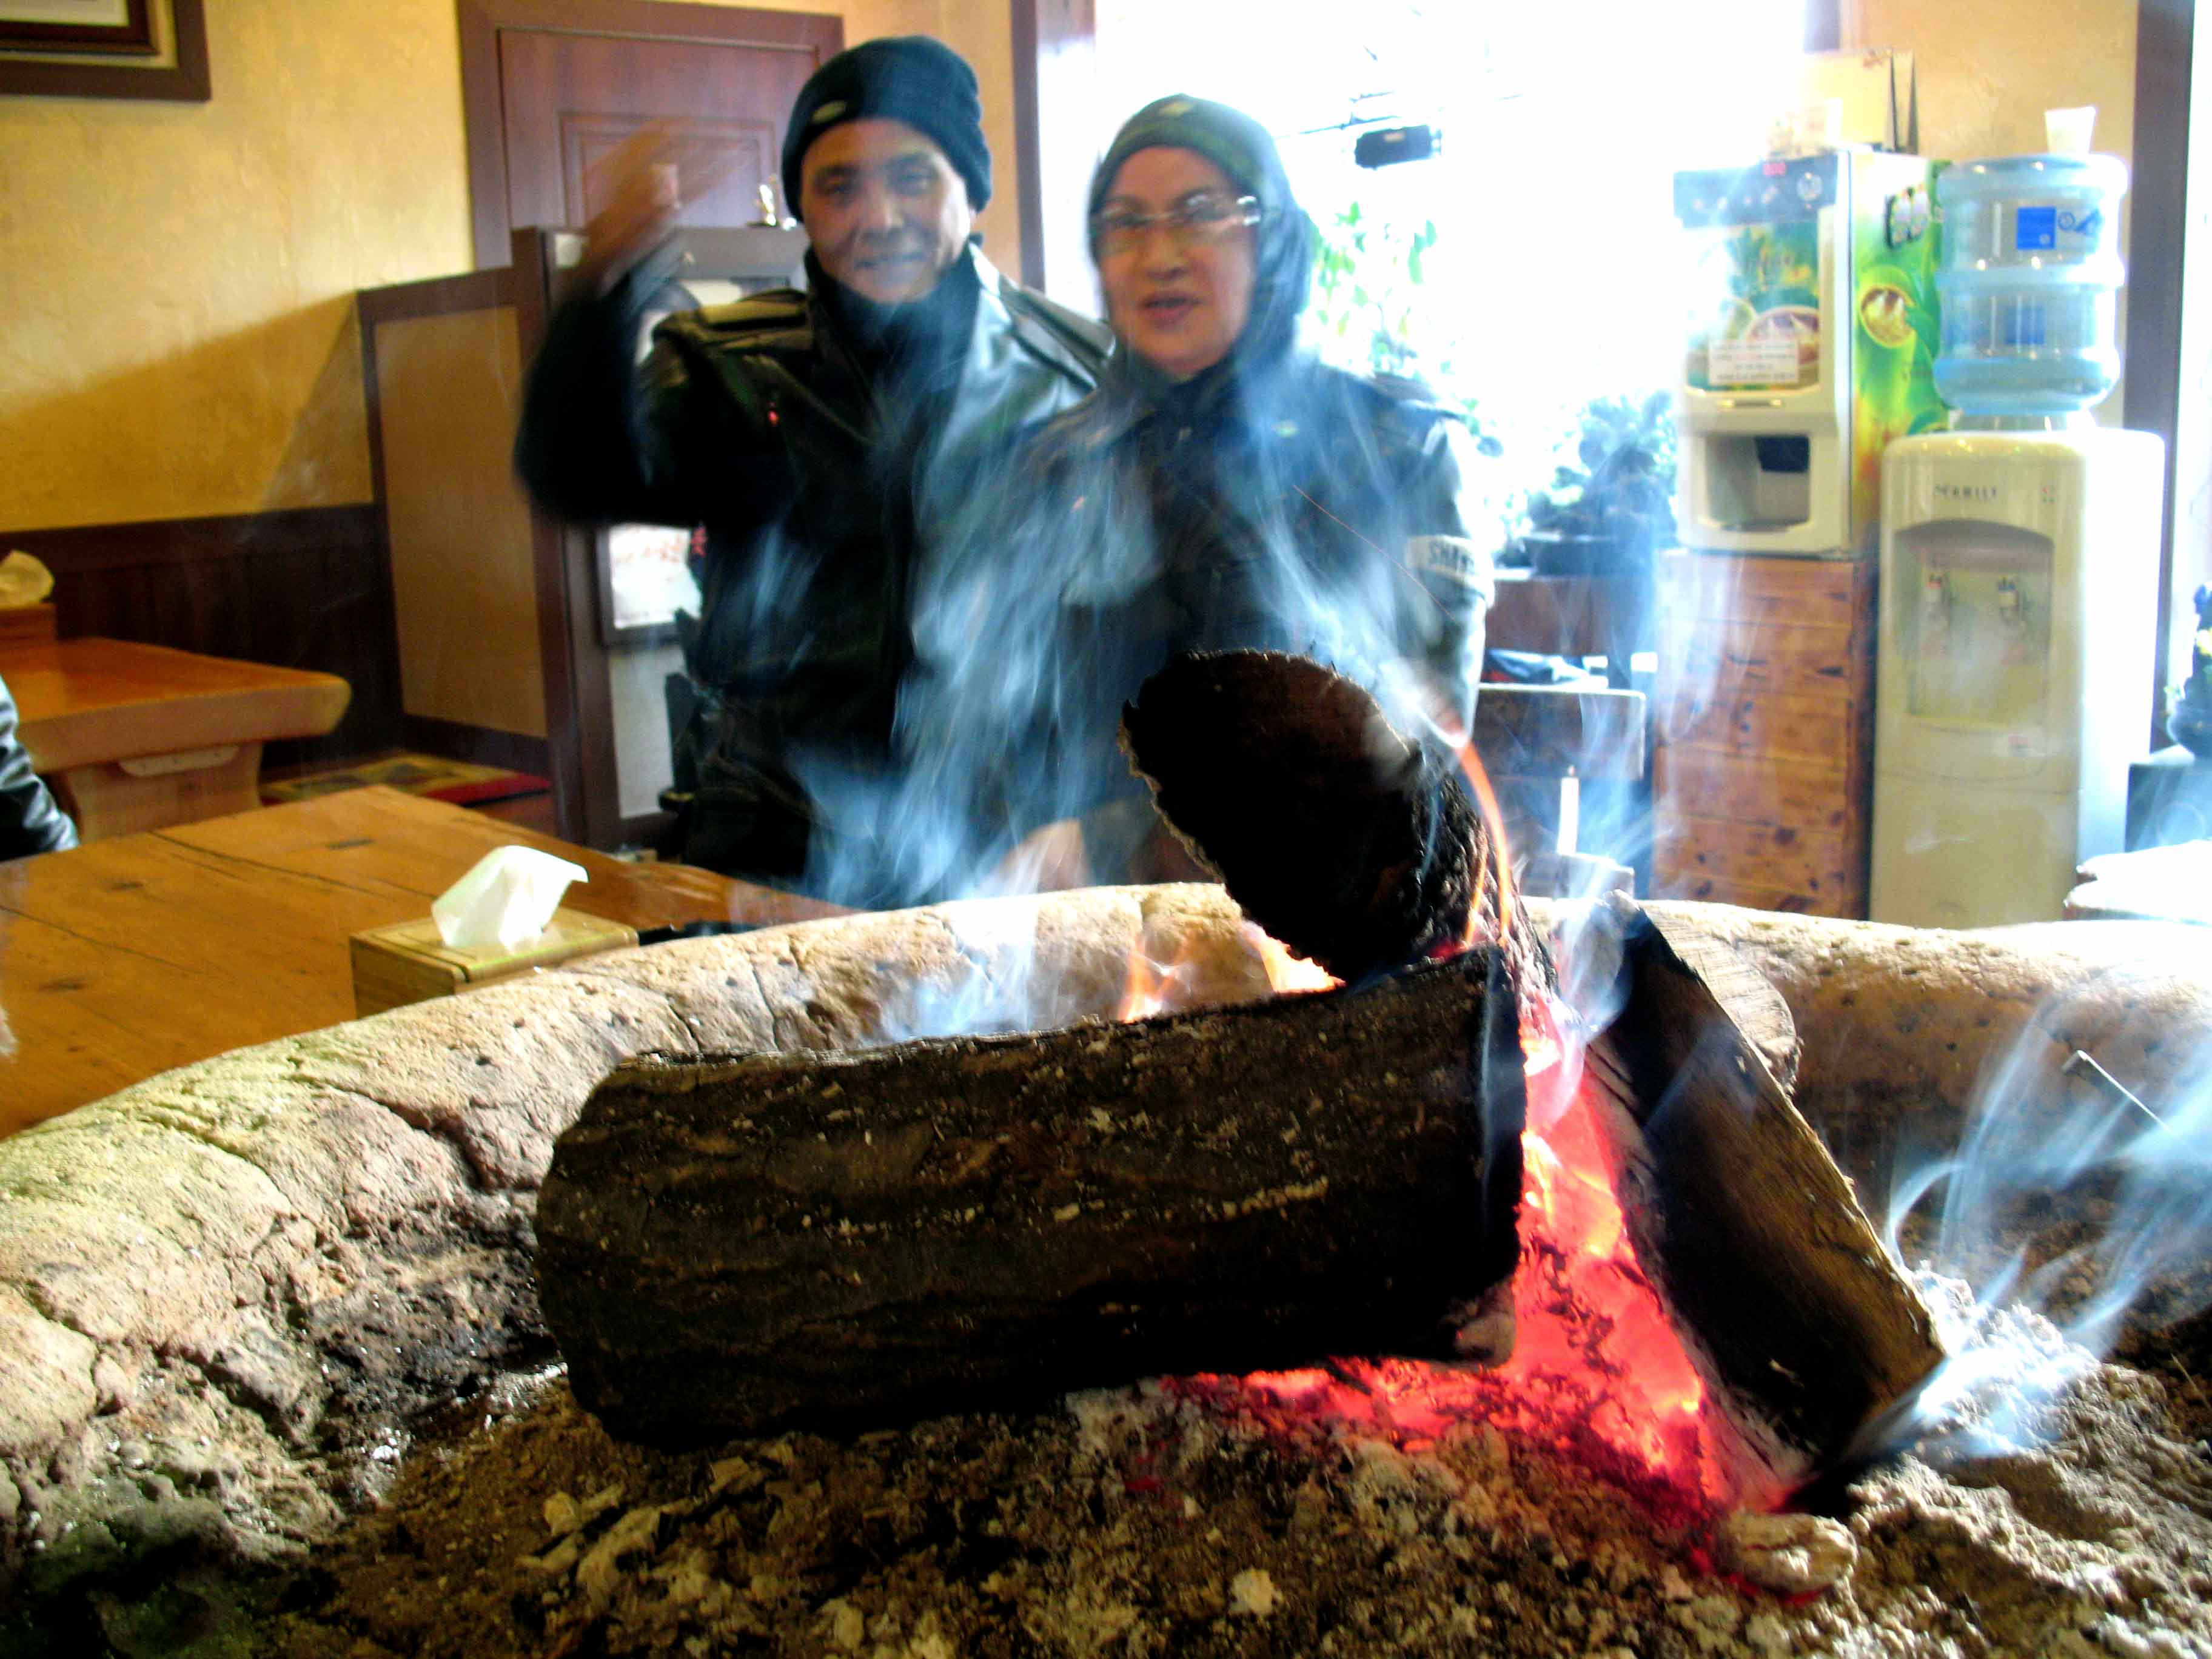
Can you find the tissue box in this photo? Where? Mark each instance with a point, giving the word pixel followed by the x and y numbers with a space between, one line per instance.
pixel 409 962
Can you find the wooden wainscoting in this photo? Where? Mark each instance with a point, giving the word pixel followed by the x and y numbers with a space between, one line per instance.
pixel 310 587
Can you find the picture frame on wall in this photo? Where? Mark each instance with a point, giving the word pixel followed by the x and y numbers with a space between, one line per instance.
pixel 77 26
pixel 104 49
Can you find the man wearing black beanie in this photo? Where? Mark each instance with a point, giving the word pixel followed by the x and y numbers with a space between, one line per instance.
pixel 817 437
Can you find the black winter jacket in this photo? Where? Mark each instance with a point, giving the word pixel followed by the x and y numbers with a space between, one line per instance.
pixel 29 820
pixel 816 468
pixel 1297 508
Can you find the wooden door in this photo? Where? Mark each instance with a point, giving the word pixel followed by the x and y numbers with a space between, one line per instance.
pixel 550 86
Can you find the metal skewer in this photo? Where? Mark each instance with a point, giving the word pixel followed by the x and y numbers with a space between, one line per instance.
pixel 2079 1064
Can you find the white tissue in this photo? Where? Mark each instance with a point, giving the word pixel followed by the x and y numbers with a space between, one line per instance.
pixel 2068 131
pixel 505 899
pixel 23 581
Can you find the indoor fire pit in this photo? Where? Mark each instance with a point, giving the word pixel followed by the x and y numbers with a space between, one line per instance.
pixel 276 1374
pixel 1501 1281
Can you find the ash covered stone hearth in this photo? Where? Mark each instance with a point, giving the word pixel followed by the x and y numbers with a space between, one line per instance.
pixel 271 1365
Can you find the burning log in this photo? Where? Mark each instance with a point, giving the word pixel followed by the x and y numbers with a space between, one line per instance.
pixel 772 1241
pixel 775 1239
pixel 1276 768
pixel 1355 845
pixel 1807 1332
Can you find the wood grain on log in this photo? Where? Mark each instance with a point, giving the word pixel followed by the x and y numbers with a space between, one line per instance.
pixel 1805 1327
pixel 767 1241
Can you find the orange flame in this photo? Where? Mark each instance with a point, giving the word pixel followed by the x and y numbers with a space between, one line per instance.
pixel 1145 988
pixel 1287 973
pixel 1598 1374
pixel 1591 1328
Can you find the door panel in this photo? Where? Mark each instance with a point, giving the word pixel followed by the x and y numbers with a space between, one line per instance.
pixel 571 99
pixel 750 149
pixel 549 85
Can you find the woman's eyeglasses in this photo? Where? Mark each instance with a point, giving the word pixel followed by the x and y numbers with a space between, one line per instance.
pixel 1205 217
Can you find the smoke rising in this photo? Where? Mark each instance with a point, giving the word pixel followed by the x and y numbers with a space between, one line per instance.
pixel 1059 575
pixel 2068 1200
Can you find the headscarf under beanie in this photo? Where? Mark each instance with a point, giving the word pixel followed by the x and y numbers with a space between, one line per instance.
pixel 909 78
pixel 1240 146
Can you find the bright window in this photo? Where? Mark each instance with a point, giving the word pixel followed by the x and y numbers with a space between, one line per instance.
pixel 1549 276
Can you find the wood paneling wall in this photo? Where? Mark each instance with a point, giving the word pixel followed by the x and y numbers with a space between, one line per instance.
pixel 307 588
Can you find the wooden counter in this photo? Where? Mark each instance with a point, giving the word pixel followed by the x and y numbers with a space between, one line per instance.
pixel 138 736
pixel 126 958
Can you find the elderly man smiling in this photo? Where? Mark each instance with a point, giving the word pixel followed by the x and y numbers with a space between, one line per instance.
pixel 815 436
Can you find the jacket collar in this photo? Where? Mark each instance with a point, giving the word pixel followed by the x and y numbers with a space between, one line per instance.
pixel 1023 323
pixel 1233 397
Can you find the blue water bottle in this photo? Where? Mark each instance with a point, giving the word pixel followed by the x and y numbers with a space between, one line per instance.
pixel 2030 283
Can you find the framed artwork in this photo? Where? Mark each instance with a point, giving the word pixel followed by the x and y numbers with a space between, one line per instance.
pixel 104 49
pixel 87 26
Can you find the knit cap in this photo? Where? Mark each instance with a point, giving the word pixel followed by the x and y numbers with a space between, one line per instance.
pixel 909 78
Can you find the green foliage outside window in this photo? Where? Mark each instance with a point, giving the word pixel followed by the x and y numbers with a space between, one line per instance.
pixel 1369 309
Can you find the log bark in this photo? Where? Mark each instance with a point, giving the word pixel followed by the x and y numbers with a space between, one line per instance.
pixel 1807 1332
pixel 772 1241
pixel 1355 845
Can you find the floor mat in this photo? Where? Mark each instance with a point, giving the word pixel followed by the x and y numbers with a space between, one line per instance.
pixel 432 775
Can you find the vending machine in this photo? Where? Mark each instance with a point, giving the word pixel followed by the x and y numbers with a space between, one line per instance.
pixel 1812 330
pixel 1813 341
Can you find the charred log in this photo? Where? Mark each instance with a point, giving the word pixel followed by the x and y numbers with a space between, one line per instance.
pixel 1353 844
pixel 771 1241
pixel 1803 1326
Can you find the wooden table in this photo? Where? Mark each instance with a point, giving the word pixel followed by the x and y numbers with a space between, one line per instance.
pixel 126 958
pixel 138 736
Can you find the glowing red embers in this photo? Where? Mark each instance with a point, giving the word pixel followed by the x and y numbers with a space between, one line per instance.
pixel 1595 1349
pixel 1598 1375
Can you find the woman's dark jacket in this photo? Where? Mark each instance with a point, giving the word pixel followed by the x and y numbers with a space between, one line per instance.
pixel 1266 503
pixel 1300 509
pixel 819 440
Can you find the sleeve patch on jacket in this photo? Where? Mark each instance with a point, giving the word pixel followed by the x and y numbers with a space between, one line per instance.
pixel 1454 558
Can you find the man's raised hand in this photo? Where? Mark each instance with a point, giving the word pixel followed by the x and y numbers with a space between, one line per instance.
pixel 641 189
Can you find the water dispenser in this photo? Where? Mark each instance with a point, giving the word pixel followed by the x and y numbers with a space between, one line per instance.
pixel 2030 284
pixel 2019 563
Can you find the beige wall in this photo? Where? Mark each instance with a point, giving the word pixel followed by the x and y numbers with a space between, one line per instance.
pixel 177 335
pixel 176 331
pixel 1989 68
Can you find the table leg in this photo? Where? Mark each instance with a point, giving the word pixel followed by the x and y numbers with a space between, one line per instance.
pixel 120 799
